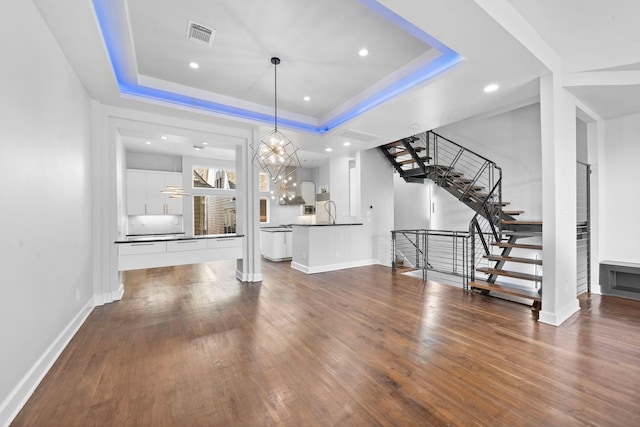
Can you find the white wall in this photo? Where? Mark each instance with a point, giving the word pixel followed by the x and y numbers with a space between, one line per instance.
pixel 324 176
pixel 154 162
pixel 45 165
pixel 339 187
pixel 582 141
pixel 512 140
pixel 411 204
pixel 619 232
pixel 376 202
pixel 448 213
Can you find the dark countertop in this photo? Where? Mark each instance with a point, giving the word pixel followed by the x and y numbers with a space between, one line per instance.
pixel 328 225
pixel 173 237
pixel 156 234
pixel 277 229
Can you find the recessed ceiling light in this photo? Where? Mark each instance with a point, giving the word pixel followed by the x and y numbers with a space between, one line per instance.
pixel 197 148
pixel 148 142
pixel 194 65
pixel 328 149
pixel 307 98
pixel 491 88
pixel 205 143
pixel 363 52
pixel 346 143
pixel 163 137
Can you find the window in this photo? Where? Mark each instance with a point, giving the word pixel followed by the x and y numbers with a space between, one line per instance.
pixel 214 215
pixel 263 182
pixel 218 178
pixel 264 209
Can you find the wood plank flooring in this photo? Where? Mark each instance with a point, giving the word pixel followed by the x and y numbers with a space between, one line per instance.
pixel 192 346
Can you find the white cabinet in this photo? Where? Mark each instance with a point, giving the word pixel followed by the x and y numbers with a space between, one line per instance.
pixel 155 199
pixel 308 192
pixel 276 245
pixel 186 245
pixel 174 206
pixel 144 195
pixel 138 248
pixel 136 192
pixel 145 254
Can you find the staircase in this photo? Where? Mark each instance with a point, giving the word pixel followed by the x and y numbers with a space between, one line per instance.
pixel 502 246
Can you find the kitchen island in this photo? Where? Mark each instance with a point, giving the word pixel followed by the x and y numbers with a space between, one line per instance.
pixel 328 247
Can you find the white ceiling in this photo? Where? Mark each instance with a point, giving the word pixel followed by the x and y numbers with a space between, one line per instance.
pixel 320 61
pixel 318 43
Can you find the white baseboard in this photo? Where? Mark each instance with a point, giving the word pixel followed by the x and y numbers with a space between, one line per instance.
pixel 332 267
pixel 118 294
pixel 557 318
pixel 25 388
pixel 243 277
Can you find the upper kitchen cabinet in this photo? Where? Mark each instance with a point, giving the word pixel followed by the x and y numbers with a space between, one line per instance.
pixel 174 205
pixel 144 195
pixel 308 192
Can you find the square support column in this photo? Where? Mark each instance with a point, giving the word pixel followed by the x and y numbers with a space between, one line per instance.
pixel 558 129
pixel 248 269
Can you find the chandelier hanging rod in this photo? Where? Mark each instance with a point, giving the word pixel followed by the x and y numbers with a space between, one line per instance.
pixel 275 61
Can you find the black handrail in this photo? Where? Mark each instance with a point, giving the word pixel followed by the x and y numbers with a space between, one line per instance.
pixel 464 148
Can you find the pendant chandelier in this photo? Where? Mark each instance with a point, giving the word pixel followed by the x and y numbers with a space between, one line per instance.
pixel 174 192
pixel 275 154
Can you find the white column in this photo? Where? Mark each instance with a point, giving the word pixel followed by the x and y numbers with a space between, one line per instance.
pixel 558 129
pixel 596 141
pixel 248 268
pixel 107 285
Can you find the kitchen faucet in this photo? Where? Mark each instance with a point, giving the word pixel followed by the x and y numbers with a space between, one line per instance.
pixel 327 207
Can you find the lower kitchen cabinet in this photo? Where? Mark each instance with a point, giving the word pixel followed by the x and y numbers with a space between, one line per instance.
pixel 276 245
pixel 141 254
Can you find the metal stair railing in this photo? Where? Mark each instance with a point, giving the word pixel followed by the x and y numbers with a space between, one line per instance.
pixel 442 251
pixel 474 180
pixel 452 158
pixel 484 229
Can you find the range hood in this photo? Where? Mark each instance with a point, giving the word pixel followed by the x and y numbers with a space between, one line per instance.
pixel 296 200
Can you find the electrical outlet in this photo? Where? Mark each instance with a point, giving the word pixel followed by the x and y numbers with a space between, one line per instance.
pixel 337 253
pixel 77 294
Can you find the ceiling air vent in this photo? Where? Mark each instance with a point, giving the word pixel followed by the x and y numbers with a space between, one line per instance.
pixel 357 135
pixel 200 34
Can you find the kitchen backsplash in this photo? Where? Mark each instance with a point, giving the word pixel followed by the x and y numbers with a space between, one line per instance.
pixel 155 224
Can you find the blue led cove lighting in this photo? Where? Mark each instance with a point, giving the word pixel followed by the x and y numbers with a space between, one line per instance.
pixel 106 13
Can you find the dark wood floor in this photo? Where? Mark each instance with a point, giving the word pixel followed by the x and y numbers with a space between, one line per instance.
pixel 191 346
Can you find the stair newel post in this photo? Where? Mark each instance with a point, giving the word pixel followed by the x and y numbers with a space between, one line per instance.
pixel 499 201
pixel 425 254
pixel 436 159
pixel 454 247
pixel 465 263
pixel 426 146
pixel 472 254
pixel 393 251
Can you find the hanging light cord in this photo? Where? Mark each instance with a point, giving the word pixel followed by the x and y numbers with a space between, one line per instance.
pixel 275 61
